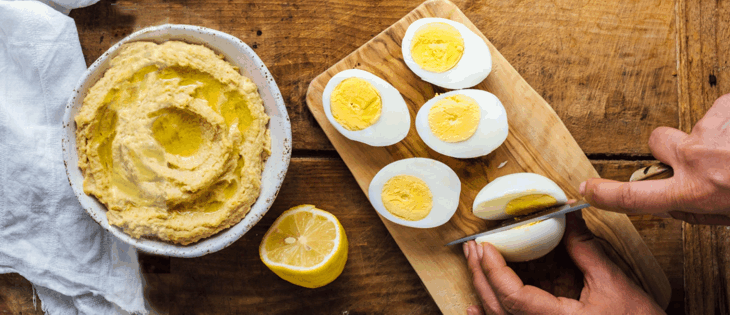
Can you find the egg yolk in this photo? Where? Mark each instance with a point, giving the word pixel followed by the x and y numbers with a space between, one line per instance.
pixel 437 47
pixel 407 197
pixel 355 104
pixel 454 118
pixel 529 204
pixel 526 225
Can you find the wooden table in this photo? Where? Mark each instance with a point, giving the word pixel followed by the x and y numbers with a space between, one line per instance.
pixel 613 70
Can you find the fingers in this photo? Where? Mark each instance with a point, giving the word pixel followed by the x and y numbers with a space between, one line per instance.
pixel 663 144
pixel 474 310
pixel 586 252
pixel 695 218
pixel 473 253
pixel 716 117
pixel 651 196
pixel 517 298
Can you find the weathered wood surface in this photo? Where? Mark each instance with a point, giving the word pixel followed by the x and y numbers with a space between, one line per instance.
pixel 16 296
pixel 614 57
pixel 606 67
pixel 377 278
pixel 703 29
pixel 537 142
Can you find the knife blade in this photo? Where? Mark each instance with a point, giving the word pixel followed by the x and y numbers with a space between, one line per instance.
pixel 526 219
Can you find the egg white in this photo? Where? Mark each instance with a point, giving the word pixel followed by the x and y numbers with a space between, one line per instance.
pixel 490 134
pixel 443 182
pixel 525 243
pixel 394 122
pixel 489 204
pixel 473 67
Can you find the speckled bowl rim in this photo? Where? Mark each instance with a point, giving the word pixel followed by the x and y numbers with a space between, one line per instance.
pixel 237 53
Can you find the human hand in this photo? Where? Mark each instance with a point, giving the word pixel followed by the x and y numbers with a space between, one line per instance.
pixel 699 191
pixel 606 289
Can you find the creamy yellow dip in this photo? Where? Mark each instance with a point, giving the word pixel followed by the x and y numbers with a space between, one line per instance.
pixel 172 139
pixel 437 47
pixel 454 118
pixel 407 197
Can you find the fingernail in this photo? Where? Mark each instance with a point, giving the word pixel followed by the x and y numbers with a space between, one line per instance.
pixel 582 188
pixel 480 251
pixel 470 311
pixel 466 250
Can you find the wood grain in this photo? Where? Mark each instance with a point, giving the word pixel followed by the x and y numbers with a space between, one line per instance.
pixel 575 53
pixel 702 32
pixel 16 296
pixel 174 285
pixel 295 39
pixel 537 142
pixel 377 278
pixel 606 67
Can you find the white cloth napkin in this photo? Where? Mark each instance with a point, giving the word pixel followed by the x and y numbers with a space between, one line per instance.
pixel 75 266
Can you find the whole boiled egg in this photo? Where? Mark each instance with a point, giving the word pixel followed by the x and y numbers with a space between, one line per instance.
pixel 529 241
pixel 463 123
pixel 416 192
pixel 517 194
pixel 366 108
pixel 446 53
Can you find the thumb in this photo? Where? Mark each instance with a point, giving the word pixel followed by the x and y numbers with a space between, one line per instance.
pixel 651 196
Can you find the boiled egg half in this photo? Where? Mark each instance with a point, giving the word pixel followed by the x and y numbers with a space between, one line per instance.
pixel 366 108
pixel 446 53
pixel 463 123
pixel 416 192
pixel 529 241
pixel 515 195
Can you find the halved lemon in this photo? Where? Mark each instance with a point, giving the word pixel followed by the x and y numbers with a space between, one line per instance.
pixel 305 246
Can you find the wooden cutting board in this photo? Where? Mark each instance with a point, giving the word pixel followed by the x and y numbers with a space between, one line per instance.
pixel 538 142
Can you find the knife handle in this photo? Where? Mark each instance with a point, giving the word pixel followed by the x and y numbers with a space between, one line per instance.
pixel 655 171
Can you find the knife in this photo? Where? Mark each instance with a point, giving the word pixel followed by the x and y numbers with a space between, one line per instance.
pixel 526 219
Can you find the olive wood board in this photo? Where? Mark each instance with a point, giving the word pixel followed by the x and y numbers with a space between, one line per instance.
pixel 538 142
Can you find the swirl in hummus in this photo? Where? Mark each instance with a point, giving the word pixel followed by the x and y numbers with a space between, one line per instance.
pixel 173 141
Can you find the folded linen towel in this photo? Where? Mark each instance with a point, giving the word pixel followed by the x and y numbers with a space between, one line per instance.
pixel 75 266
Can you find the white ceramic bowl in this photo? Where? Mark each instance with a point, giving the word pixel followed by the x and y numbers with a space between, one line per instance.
pixel 237 53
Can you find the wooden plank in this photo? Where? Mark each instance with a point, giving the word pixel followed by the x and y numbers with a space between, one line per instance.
pixel 702 32
pixel 300 39
pixel 296 40
pixel 377 278
pixel 537 142
pixel 664 239
pixel 336 191
pixel 173 286
pixel 16 296
pixel 605 66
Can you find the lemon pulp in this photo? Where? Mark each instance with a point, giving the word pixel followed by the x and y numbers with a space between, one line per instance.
pixel 529 204
pixel 454 118
pixel 355 104
pixel 305 246
pixel 407 197
pixel 437 47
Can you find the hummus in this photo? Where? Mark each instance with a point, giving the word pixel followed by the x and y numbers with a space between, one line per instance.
pixel 173 141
